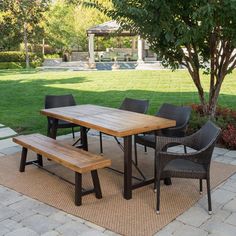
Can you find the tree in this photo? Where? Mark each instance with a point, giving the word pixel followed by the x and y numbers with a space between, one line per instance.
pixel 67 25
pixel 9 31
pixel 199 34
pixel 25 16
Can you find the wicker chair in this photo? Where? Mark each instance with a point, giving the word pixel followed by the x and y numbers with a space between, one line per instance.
pixel 52 101
pixel 194 165
pixel 180 114
pixel 129 104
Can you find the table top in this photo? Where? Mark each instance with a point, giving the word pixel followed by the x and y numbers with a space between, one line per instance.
pixel 116 122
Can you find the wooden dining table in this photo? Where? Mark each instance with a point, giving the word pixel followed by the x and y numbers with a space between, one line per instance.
pixel 112 121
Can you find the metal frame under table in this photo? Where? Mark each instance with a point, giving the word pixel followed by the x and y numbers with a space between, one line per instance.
pixel 115 122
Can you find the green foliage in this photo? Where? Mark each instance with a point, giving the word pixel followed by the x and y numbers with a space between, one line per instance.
pixel 67 25
pixel 51 56
pixel 196 122
pixel 12 60
pixel 9 31
pixel 18 65
pixel 198 34
pixel 229 136
pixel 169 25
pixel 12 56
pixel 225 119
pixel 11 65
pixel 21 21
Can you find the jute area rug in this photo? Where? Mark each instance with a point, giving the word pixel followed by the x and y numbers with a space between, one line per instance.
pixel 133 217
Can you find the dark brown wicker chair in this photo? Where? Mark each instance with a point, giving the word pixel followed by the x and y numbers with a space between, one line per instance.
pixel 180 114
pixel 194 165
pixel 52 101
pixel 129 104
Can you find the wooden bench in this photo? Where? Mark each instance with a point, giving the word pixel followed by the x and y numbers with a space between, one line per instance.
pixel 79 161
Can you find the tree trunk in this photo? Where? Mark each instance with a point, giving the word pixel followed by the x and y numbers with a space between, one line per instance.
pixel 43 47
pixel 26 46
pixel 196 79
pixel 214 97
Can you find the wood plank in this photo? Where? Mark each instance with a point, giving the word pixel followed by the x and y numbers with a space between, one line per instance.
pixel 66 155
pixel 108 120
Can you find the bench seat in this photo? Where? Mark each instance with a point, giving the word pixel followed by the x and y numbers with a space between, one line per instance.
pixel 77 160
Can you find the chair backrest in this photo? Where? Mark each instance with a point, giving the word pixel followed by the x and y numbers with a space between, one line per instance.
pixel 206 136
pixel 52 101
pixel 135 105
pixel 181 114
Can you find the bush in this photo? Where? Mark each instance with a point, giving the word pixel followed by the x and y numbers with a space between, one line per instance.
pixel 16 65
pixel 11 65
pixel 51 56
pixel 16 59
pixel 225 118
pixel 12 56
pixel 229 136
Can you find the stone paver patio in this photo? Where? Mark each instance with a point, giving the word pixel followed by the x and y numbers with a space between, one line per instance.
pixel 21 215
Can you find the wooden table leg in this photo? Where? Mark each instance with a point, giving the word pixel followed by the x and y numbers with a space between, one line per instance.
pixel 128 167
pixel 84 139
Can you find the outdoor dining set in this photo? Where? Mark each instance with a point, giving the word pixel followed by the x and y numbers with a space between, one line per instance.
pixel 137 129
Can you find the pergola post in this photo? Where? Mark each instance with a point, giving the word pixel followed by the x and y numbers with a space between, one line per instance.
pixel 140 50
pixel 91 51
pixel 133 44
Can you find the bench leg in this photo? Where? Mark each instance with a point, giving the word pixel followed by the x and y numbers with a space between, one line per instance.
pixel 40 159
pixel 96 184
pixel 23 159
pixel 78 189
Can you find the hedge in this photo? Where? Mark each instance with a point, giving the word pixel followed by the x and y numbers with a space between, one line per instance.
pixel 16 65
pixel 16 59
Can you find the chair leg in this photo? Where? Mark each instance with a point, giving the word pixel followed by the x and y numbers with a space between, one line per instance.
pixel 135 153
pixel 167 181
pixel 158 193
pixel 73 132
pixel 101 147
pixel 200 184
pixel 48 131
pixel 145 148
pixel 155 176
pixel 209 195
pixel 185 149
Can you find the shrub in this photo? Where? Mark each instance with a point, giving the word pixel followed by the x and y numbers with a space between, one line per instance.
pixel 11 65
pixel 16 65
pixel 196 122
pixel 51 56
pixel 225 118
pixel 13 56
pixel 15 59
pixel 229 136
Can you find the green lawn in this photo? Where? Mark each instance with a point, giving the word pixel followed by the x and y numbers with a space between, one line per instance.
pixel 22 92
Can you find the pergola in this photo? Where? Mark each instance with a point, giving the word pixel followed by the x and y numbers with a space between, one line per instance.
pixel 107 29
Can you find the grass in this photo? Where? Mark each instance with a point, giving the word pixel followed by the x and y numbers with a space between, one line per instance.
pixel 22 92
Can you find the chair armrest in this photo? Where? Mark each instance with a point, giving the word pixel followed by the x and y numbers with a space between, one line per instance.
pixel 180 127
pixel 189 141
pixel 199 157
pixel 162 142
pixel 177 131
pixel 177 128
pixel 170 145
